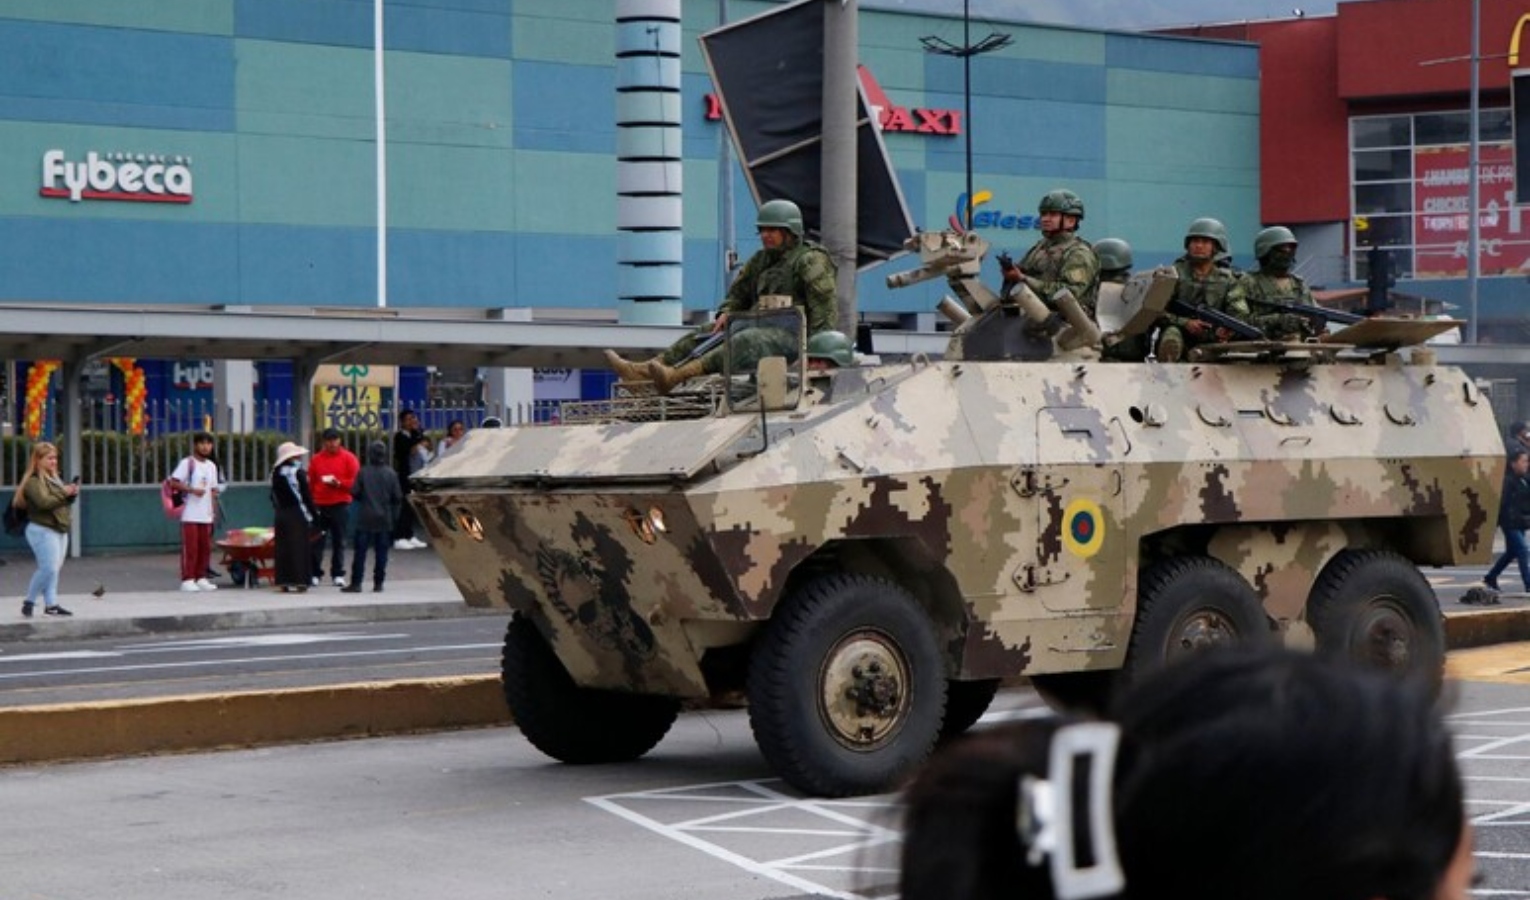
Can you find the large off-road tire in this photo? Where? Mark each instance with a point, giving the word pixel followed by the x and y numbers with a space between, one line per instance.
pixel 1376 608
pixel 570 723
pixel 1188 605
pixel 966 701
pixel 846 687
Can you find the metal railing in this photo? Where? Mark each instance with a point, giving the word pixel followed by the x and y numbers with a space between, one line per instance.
pixel 245 435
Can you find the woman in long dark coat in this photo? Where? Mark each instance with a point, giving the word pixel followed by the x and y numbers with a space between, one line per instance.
pixel 294 518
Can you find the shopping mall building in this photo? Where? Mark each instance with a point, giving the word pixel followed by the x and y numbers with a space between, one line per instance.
pixel 269 154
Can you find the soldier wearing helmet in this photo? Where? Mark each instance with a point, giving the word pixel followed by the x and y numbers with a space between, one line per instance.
pixel 1201 283
pixel 1061 259
pixel 1275 282
pixel 1115 257
pixel 829 349
pixel 787 265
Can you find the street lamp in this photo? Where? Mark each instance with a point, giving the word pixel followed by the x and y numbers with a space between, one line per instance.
pixel 966 51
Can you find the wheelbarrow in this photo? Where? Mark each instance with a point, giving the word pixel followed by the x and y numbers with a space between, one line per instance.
pixel 249 554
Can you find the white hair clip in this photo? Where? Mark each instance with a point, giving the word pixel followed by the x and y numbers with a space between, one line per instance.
pixel 1046 814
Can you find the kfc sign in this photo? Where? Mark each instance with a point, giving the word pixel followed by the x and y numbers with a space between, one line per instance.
pixel 889 115
pixel 132 177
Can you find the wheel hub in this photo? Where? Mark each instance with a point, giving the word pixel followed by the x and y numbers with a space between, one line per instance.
pixel 1382 634
pixel 864 690
pixel 1203 630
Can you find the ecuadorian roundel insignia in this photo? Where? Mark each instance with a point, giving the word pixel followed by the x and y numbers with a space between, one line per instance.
pixel 1083 528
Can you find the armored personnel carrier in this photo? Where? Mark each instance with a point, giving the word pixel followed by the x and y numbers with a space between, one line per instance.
pixel 866 551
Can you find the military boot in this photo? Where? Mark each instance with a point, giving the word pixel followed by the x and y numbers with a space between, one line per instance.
pixel 626 370
pixel 664 378
pixel 1170 350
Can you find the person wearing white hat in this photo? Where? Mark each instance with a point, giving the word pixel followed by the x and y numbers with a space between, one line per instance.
pixel 294 518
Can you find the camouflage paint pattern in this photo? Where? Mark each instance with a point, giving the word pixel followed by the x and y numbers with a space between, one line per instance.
pixel 1017 501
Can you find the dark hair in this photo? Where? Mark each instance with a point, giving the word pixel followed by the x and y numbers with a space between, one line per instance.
pixel 1265 775
pixel 1288 775
pixel 1516 452
pixel 201 436
pixel 1517 429
pixel 330 434
pixel 960 837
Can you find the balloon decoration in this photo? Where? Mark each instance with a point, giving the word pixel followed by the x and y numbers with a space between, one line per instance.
pixel 37 395
pixel 134 392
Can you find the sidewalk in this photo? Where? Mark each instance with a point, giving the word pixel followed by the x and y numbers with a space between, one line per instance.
pixel 139 594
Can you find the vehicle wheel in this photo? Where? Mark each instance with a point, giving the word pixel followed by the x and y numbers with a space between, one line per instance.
pixel 846 687
pixel 966 701
pixel 570 723
pixel 1189 605
pixel 1088 692
pixel 1376 608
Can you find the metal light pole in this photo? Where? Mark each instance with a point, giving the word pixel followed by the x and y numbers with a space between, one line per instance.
pixel 966 51
pixel 1473 222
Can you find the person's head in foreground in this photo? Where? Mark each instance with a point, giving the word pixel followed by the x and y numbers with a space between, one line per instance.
pixel 1256 775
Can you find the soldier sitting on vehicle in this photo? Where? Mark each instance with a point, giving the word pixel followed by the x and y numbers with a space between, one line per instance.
pixel 1061 259
pixel 1275 282
pixel 788 267
pixel 1115 257
pixel 1201 283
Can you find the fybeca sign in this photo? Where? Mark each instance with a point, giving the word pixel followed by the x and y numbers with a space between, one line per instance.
pixel 130 177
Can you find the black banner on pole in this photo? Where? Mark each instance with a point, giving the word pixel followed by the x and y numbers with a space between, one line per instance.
pixel 768 71
pixel 1521 103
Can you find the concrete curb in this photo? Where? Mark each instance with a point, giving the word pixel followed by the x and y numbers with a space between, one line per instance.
pixel 101 730
pixel 81 628
pixel 1481 627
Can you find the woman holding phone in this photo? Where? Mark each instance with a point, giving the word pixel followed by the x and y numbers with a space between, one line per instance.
pixel 48 502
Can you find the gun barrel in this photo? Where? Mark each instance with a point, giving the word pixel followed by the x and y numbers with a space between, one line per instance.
pixel 1216 317
pixel 913 276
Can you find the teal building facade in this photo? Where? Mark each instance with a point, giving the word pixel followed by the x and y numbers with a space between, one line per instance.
pixel 225 152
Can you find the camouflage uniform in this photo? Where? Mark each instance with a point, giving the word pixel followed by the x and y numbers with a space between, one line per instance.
pixel 802 271
pixel 1221 290
pixel 1063 260
pixel 1290 290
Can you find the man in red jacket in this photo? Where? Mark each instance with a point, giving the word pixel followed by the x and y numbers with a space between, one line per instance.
pixel 330 475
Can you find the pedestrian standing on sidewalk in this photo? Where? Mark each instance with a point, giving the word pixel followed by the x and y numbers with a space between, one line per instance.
pixel 405 442
pixel 1513 519
pixel 48 502
pixel 377 499
pixel 294 519
pixel 330 476
pixel 197 477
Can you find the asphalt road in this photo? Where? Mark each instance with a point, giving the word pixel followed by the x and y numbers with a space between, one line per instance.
pixel 480 814
pixel 141 667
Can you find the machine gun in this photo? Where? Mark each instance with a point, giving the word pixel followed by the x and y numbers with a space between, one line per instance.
pixel 1215 317
pixel 1319 316
pixel 959 257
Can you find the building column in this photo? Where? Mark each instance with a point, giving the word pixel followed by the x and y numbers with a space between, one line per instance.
pixel 648 162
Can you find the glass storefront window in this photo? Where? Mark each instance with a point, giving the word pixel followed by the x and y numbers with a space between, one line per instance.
pixel 1383 165
pixel 1382 131
pixel 1383 197
pixel 1409 181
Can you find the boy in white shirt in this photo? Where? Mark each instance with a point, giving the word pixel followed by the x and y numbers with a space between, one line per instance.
pixel 197 475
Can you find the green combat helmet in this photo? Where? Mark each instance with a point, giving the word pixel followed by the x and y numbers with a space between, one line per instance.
pixel 1270 238
pixel 780 214
pixel 1208 228
pixel 832 346
pixel 1062 200
pixel 1114 254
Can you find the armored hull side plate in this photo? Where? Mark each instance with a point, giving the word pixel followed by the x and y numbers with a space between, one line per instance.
pixel 614 453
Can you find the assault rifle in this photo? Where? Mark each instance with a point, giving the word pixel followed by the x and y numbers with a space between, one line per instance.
pixel 1319 316
pixel 1215 317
